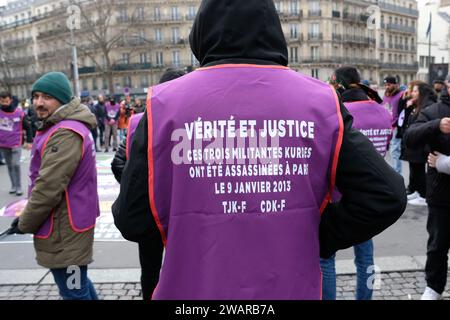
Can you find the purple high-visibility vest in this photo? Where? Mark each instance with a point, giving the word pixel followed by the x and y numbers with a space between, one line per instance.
pixel 132 125
pixel 239 212
pixel 111 111
pixel 81 194
pixel 11 124
pixel 374 121
pixel 391 104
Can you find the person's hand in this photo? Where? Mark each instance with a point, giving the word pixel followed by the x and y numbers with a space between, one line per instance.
pixel 410 103
pixel 27 146
pixel 445 125
pixel 15 227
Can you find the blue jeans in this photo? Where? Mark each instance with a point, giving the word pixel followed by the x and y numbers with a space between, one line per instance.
pixel 395 148
pixel 73 285
pixel 364 273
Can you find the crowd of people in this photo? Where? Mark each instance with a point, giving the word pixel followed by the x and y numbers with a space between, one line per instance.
pixel 348 195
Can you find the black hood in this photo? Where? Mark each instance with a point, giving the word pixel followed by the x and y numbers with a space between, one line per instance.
pixel 238 31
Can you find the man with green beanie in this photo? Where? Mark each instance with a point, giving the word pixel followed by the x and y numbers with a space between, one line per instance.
pixel 62 198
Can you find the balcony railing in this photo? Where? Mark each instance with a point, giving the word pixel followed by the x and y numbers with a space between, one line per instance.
pixel 399 27
pixel 314 13
pixel 315 36
pixel 400 66
pixel 398 9
pixel 291 15
pixel 18 42
pixel 336 14
pixel 340 60
pixel 354 17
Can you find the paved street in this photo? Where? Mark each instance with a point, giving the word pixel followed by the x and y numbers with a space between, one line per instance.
pixel 399 254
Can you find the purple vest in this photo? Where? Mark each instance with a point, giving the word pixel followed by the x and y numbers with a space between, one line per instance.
pixel 374 121
pixel 111 110
pixel 132 125
pixel 81 194
pixel 391 104
pixel 11 128
pixel 238 212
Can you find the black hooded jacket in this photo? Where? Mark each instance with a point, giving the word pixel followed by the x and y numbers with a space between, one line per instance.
pixel 235 31
pixel 426 133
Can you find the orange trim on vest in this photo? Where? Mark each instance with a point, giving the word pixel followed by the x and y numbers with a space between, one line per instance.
pixel 363 101
pixel 337 150
pixel 151 189
pixel 51 227
pixel 69 211
pixel 222 66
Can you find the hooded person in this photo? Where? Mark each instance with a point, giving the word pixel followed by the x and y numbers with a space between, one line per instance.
pixel 62 197
pixel 249 223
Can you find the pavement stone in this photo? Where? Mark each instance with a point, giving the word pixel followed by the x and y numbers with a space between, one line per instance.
pixel 393 286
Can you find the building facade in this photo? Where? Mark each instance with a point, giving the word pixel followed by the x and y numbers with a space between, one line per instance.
pixel 435 51
pixel 144 37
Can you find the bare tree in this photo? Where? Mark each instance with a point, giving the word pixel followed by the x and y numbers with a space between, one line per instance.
pixel 102 33
pixel 6 72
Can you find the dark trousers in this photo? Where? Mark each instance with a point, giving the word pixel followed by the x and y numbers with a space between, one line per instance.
pixel 95 136
pixel 101 128
pixel 438 227
pixel 150 267
pixel 417 178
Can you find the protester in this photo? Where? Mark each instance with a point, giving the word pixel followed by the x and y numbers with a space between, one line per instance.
pixel 100 114
pixel 62 198
pixel 223 243
pixel 148 266
pixel 12 125
pixel 111 118
pixel 368 117
pixel 422 96
pixel 432 129
pixel 391 100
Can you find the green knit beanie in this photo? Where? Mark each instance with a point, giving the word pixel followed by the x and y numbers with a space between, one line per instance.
pixel 55 84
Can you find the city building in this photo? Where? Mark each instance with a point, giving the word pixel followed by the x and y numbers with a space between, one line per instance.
pixel 124 46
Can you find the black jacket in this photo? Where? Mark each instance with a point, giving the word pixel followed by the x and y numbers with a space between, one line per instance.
pixel 425 132
pixel 374 195
pixel 414 154
pixel 119 161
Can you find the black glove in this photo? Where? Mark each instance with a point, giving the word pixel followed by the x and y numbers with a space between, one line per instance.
pixel 15 227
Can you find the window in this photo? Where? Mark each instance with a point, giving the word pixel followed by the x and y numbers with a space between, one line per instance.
pixel 315 53
pixel 126 58
pixel 279 6
pixel 104 84
pixel 126 81
pixel 158 35
pixel 84 85
pixel 294 7
pixel 174 11
pixel 315 73
pixel 144 80
pixel 94 84
pixel 143 57
pixel 313 30
pixel 176 58
pixel 194 60
pixel 293 57
pixel 157 12
pixel 294 31
pixel 140 13
pixel 159 59
pixel 175 35
pixel 192 11
pixel 314 6
pixel 123 14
